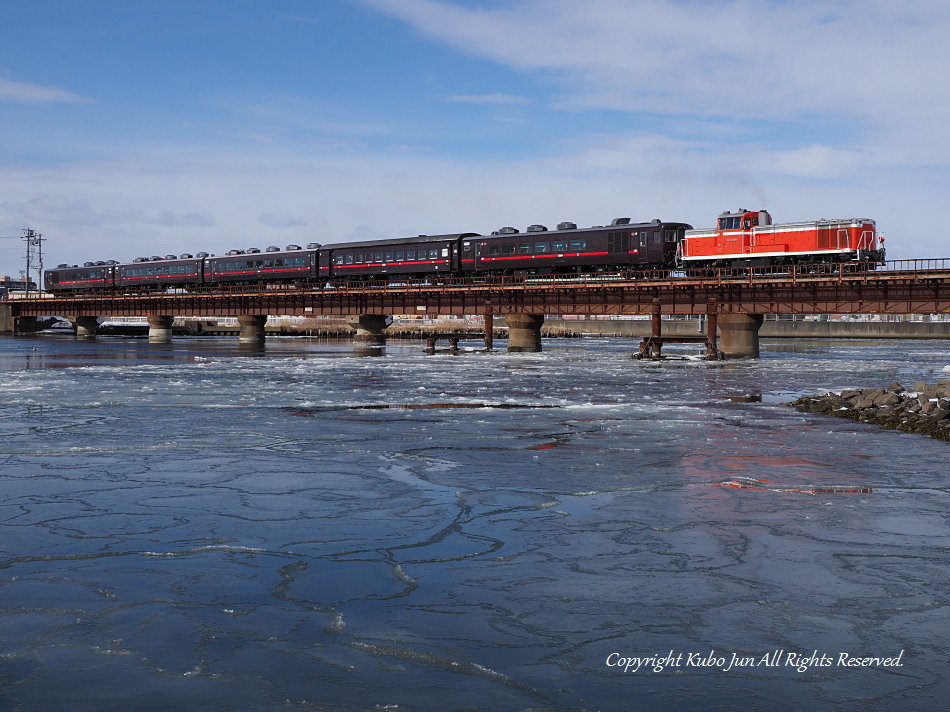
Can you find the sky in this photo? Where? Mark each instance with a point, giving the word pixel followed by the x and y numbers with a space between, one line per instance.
pixel 134 129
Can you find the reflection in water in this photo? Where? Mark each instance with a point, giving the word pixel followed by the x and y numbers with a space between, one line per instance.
pixel 747 398
pixel 368 350
pixel 795 346
pixel 750 483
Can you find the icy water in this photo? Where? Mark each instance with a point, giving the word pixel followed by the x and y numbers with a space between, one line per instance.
pixel 195 527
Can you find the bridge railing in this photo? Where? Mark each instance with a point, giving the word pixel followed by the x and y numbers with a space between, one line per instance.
pixel 915 266
pixel 921 268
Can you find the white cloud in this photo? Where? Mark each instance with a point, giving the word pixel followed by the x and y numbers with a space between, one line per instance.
pixel 73 211
pixel 364 232
pixel 25 93
pixel 868 65
pixel 216 201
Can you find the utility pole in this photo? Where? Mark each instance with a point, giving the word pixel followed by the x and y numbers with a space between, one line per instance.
pixel 34 256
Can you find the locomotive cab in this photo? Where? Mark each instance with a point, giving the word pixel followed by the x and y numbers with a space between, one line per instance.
pixel 743 220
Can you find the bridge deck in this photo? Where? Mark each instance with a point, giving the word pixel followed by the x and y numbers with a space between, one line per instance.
pixel 916 286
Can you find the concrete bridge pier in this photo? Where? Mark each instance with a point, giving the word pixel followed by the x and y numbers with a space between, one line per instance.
pixel 524 332
pixel 252 328
pixel 7 320
pixel 159 328
pixel 370 336
pixel 739 335
pixel 86 326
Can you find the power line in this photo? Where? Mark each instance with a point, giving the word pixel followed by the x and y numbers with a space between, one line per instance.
pixel 34 255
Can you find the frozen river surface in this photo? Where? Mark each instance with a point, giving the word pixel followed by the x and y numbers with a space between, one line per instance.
pixel 196 527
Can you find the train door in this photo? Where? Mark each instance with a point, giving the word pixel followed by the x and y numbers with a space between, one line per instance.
pixel 749 243
pixel 467 255
pixel 324 263
pixel 453 258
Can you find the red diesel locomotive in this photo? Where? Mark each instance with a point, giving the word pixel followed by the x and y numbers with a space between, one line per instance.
pixel 749 238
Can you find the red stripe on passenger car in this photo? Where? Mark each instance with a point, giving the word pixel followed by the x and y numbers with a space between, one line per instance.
pixel 265 271
pixel 552 254
pixel 158 276
pixel 390 264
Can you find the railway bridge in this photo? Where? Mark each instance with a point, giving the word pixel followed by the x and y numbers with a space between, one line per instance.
pixel 735 300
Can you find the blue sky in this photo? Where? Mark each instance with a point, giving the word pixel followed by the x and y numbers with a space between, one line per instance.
pixel 133 128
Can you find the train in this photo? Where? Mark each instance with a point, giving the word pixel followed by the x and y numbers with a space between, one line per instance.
pixel 740 238
pixel 747 238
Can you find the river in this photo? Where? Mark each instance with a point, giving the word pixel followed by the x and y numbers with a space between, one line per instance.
pixel 199 526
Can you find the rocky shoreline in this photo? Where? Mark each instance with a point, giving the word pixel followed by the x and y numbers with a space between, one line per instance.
pixel 925 410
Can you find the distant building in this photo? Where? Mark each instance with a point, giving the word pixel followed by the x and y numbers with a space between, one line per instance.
pixel 8 284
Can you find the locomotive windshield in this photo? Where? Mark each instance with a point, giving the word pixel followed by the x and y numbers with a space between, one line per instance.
pixel 738 222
